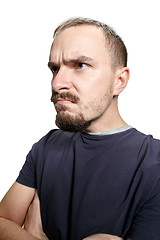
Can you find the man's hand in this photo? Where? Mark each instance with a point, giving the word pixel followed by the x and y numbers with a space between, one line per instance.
pixel 33 223
pixel 100 236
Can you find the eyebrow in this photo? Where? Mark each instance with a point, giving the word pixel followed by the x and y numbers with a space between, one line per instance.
pixel 79 59
pixel 72 60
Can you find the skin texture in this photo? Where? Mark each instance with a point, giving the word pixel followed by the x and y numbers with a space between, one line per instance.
pixel 82 71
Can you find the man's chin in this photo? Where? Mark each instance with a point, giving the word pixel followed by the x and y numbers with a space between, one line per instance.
pixel 68 122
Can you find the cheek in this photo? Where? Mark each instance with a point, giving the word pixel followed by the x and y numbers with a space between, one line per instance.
pixel 92 83
pixel 97 98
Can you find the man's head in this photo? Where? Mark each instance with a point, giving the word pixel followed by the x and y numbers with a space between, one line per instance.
pixel 114 44
pixel 88 60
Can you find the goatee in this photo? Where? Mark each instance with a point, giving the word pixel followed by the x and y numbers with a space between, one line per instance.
pixel 65 120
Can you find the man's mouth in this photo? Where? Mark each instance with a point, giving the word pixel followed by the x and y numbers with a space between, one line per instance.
pixel 63 101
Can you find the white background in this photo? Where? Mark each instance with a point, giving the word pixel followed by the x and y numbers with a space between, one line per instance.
pixel 26 29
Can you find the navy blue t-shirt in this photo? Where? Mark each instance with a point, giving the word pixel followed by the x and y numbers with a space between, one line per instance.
pixel 96 184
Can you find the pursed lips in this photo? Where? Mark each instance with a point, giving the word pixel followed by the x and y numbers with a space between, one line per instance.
pixel 63 101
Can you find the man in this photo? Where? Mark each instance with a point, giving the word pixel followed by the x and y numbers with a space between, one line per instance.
pixel 96 177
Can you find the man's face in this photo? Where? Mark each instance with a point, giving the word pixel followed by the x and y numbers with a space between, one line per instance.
pixel 82 84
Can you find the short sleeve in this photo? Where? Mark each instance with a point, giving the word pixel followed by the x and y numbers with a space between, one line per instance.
pixel 31 172
pixel 146 224
pixel 27 175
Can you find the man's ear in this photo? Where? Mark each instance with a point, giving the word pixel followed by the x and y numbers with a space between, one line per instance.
pixel 121 80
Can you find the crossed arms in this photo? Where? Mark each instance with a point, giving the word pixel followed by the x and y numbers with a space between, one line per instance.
pixel 13 209
pixel 21 206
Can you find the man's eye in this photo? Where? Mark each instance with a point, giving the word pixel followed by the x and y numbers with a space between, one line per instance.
pixel 54 69
pixel 81 66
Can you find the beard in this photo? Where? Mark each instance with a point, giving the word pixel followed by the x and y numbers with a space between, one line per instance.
pixel 67 121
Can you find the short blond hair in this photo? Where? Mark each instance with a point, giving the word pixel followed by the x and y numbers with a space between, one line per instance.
pixel 114 43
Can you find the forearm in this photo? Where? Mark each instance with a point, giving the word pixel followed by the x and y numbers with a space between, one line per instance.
pixel 12 231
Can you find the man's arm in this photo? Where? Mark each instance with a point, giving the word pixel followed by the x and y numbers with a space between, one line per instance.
pixel 11 231
pixel 13 210
pixel 101 236
pixel 33 222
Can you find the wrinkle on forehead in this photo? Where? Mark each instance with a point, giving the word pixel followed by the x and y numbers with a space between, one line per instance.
pixel 78 41
pixel 75 60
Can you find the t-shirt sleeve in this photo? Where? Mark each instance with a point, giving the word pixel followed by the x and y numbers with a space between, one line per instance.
pixel 146 224
pixel 27 175
pixel 31 172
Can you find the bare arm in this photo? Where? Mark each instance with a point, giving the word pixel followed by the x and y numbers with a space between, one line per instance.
pixel 33 222
pixel 100 236
pixel 13 209
pixel 11 231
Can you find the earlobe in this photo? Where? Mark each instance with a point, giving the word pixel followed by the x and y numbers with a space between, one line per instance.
pixel 122 77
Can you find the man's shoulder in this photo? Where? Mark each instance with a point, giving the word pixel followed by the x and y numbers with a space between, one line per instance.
pixel 146 139
pixel 144 153
pixel 151 144
pixel 149 158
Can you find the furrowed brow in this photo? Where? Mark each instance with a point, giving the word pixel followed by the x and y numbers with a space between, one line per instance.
pixel 79 59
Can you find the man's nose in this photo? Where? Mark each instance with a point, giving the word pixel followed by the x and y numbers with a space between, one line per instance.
pixel 61 80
